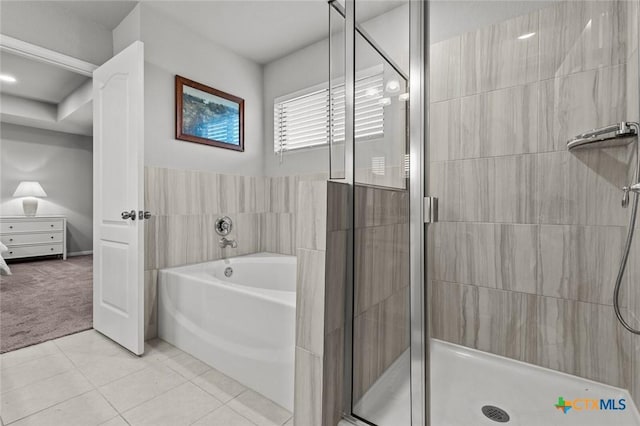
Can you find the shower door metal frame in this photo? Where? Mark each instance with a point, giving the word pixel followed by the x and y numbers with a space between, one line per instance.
pixel 418 122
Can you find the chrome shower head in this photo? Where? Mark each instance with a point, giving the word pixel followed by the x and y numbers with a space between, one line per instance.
pixel 605 137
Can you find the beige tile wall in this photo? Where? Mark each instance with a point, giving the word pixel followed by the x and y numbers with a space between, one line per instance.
pixel 185 205
pixel 381 283
pixel 321 249
pixel 524 257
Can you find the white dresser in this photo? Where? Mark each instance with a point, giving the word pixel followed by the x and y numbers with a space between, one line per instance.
pixel 34 236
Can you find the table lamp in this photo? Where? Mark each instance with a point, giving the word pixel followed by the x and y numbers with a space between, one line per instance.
pixel 29 190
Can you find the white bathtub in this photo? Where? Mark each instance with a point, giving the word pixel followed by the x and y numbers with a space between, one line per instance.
pixel 242 325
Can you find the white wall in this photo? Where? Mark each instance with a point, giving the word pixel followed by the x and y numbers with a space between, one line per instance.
pixel 172 49
pixel 63 164
pixel 49 25
pixel 307 67
pixel 302 69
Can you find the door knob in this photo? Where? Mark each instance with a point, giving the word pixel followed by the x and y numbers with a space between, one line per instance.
pixel 128 215
pixel 144 215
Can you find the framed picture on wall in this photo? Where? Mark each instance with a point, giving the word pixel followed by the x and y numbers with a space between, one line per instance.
pixel 208 116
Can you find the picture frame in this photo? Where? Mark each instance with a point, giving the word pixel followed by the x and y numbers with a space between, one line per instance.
pixel 208 116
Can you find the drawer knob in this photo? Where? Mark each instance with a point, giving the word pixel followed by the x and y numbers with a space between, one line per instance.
pixel 52 248
pixel 10 226
pixel 52 225
pixel 10 239
pixel 10 252
pixel 52 237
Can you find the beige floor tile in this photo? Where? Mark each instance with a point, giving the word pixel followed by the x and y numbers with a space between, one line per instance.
pixel 180 406
pixel 86 342
pixel 186 365
pixel 85 410
pixel 219 385
pixel 223 416
pixel 159 350
pixel 101 369
pixel 116 421
pixel 141 386
pixel 33 371
pixel 32 398
pixel 259 409
pixel 17 357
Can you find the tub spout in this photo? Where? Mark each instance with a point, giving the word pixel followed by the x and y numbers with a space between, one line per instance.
pixel 224 242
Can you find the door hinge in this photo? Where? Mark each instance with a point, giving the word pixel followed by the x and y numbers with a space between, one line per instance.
pixel 430 209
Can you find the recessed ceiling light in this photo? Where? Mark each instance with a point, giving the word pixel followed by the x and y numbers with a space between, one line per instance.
pixel 393 86
pixel 526 36
pixel 6 78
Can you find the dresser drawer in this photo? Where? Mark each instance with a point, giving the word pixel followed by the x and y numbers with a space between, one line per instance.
pixel 39 238
pixel 31 251
pixel 9 227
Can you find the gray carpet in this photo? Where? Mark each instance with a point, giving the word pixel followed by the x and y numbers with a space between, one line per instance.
pixel 45 299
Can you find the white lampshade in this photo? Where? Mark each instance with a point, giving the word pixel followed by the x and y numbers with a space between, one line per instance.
pixel 29 189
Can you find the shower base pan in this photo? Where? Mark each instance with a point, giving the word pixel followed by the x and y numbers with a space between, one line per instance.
pixel 464 380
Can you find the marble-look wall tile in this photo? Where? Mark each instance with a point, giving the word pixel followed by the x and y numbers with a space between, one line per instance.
pixel 381 263
pixel 283 194
pixel 338 217
pixel 580 262
pixel 380 336
pixel 583 187
pixel 150 243
pixel 582 35
pixel 150 304
pixel 499 189
pixel 333 376
pixel 375 206
pixel 155 190
pixel 489 255
pixel 246 232
pixel 493 57
pixel 310 300
pixel 445 70
pixel 584 339
pixel 444 131
pixel 574 104
pixel 307 404
pixel 311 218
pixel 279 233
pixel 496 321
pixel 335 281
pixel 444 183
pixel 171 241
pixel 501 122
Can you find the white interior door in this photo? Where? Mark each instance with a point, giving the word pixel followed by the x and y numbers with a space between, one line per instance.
pixel 118 242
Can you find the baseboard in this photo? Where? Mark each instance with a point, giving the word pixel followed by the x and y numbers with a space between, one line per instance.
pixel 80 253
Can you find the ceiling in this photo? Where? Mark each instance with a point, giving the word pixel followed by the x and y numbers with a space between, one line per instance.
pixel 38 80
pixel 107 13
pixel 261 30
pixel 34 99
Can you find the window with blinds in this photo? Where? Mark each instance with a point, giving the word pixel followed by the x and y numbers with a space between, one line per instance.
pixel 302 120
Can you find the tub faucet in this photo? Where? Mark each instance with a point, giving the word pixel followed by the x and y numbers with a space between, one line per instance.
pixel 224 242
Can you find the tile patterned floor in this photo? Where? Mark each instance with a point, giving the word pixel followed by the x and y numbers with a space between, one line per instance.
pixel 86 379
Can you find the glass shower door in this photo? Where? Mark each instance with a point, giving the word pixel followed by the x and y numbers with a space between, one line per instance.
pixel 378 167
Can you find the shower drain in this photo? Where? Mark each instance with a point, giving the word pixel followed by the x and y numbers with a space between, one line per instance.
pixel 496 414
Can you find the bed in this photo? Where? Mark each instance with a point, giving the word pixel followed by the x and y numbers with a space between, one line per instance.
pixel 4 269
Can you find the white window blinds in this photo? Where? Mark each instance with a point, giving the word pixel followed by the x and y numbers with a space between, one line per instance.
pixel 302 121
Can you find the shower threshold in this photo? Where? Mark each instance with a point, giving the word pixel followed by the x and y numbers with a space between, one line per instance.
pixel 464 380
